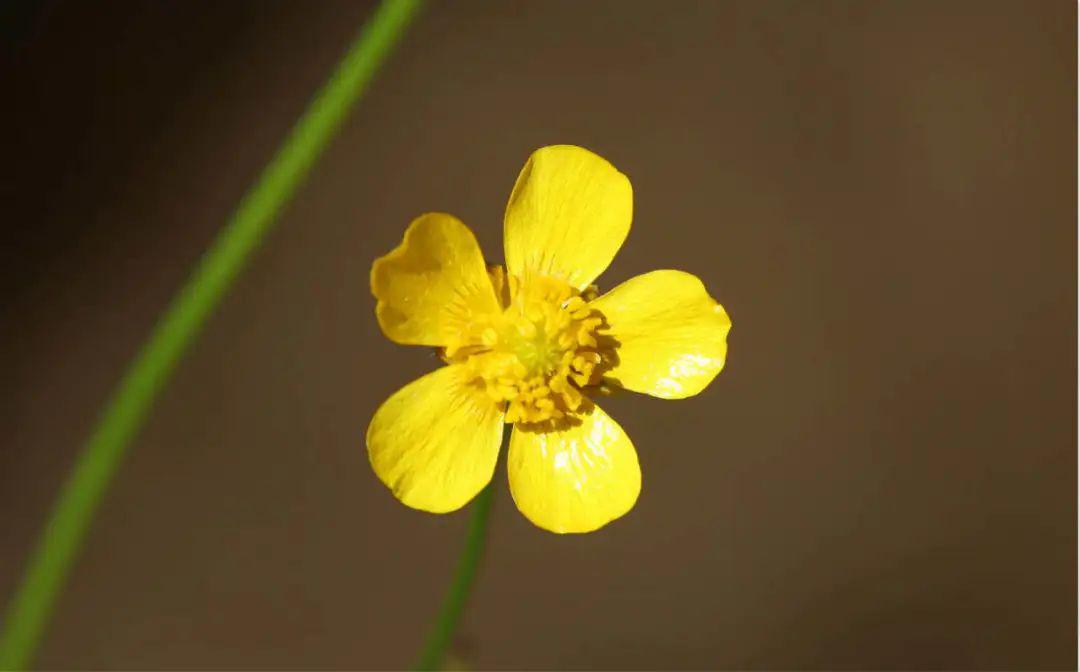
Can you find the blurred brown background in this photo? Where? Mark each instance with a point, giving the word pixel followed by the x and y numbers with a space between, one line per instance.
pixel 881 193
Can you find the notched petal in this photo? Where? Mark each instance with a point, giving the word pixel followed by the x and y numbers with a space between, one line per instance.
pixel 433 284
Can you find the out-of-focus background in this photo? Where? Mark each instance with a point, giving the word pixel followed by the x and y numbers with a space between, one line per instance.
pixel 882 194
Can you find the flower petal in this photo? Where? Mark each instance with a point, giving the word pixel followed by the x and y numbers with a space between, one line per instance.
pixel 568 215
pixel 672 336
pixel 429 286
pixel 574 479
pixel 435 441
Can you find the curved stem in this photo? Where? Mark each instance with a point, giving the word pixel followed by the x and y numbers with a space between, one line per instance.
pixel 182 321
pixel 431 657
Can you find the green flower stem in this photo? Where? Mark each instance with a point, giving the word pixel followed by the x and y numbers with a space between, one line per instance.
pixel 434 651
pixel 130 404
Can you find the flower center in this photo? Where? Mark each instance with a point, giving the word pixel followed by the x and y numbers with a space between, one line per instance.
pixel 538 354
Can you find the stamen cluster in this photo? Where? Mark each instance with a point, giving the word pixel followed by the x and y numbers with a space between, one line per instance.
pixel 539 353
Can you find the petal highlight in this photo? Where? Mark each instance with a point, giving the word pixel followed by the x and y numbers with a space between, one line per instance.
pixel 435 441
pixel 577 478
pixel 671 335
pixel 432 285
pixel 568 215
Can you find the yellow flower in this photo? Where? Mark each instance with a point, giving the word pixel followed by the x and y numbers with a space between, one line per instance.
pixel 529 345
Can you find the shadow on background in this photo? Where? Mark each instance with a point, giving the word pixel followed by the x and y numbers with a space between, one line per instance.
pixel 881 194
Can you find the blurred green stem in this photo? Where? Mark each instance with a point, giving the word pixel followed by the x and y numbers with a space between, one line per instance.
pixel 182 321
pixel 434 651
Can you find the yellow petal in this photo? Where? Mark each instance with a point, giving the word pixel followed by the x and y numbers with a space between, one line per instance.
pixel 672 335
pixel 435 441
pixel 429 287
pixel 576 479
pixel 568 215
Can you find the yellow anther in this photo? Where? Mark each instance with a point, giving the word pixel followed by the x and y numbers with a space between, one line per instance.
pixel 537 354
pixel 573 304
